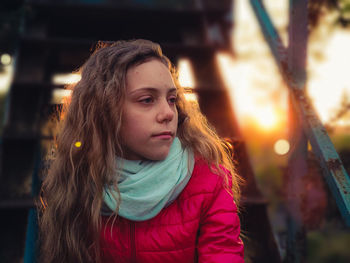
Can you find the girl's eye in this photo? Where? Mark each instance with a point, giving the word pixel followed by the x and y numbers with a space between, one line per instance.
pixel 147 100
pixel 172 100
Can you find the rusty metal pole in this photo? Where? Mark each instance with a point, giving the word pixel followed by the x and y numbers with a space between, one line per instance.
pixel 297 164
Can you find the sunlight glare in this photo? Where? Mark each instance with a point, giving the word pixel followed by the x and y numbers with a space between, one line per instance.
pixel 250 90
pixel 64 79
pixel 191 97
pixel 59 95
pixel 266 117
pixel 329 78
pixel 186 78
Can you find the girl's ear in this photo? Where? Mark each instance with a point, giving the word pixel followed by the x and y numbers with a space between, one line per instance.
pixel 181 116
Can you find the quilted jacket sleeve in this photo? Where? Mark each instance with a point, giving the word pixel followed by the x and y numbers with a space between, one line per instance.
pixel 218 239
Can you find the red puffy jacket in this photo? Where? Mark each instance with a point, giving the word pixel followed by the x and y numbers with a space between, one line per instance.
pixel 201 225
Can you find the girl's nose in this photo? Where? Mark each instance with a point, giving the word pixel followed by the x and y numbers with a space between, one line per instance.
pixel 166 112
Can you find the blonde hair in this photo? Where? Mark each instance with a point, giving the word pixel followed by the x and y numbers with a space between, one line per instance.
pixel 74 183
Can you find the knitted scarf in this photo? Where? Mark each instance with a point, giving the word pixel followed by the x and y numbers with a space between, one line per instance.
pixel 146 187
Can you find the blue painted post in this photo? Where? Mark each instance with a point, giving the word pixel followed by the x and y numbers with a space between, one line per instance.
pixel 31 237
pixel 31 242
pixel 333 169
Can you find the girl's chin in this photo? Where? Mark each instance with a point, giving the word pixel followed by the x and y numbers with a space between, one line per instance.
pixel 161 156
pixel 157 152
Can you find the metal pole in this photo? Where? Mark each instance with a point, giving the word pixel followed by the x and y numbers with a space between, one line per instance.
pixel 297 163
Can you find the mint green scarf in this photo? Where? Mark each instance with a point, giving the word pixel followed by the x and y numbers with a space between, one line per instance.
pixel 146 187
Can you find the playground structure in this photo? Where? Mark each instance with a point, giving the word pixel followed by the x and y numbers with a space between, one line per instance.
pixel 50 37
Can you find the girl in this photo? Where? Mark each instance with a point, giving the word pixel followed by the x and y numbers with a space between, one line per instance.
pixel 138 174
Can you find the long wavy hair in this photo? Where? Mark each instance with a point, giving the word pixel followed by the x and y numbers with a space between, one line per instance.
pixel 87 142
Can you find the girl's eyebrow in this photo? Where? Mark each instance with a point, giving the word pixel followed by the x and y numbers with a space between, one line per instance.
pixel 152 89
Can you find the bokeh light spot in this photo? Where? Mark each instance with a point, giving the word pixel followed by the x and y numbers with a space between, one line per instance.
pixel 281 147
pixel 5 59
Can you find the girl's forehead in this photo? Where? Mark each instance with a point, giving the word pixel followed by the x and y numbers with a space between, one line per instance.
pixel 149 66
pixel 152 73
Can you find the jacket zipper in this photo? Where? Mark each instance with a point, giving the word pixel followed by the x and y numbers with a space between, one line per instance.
pixel 132 242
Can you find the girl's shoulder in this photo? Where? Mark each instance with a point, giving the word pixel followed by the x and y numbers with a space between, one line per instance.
pixel 205 178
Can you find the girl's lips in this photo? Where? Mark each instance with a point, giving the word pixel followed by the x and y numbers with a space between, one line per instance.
pixel 163 135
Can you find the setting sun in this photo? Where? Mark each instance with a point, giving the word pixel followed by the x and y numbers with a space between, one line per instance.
pixel 266 118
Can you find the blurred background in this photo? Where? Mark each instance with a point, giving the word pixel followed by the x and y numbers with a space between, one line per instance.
pixel 235 70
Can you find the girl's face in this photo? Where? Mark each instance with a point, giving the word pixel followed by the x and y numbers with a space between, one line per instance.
pixel 149 113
